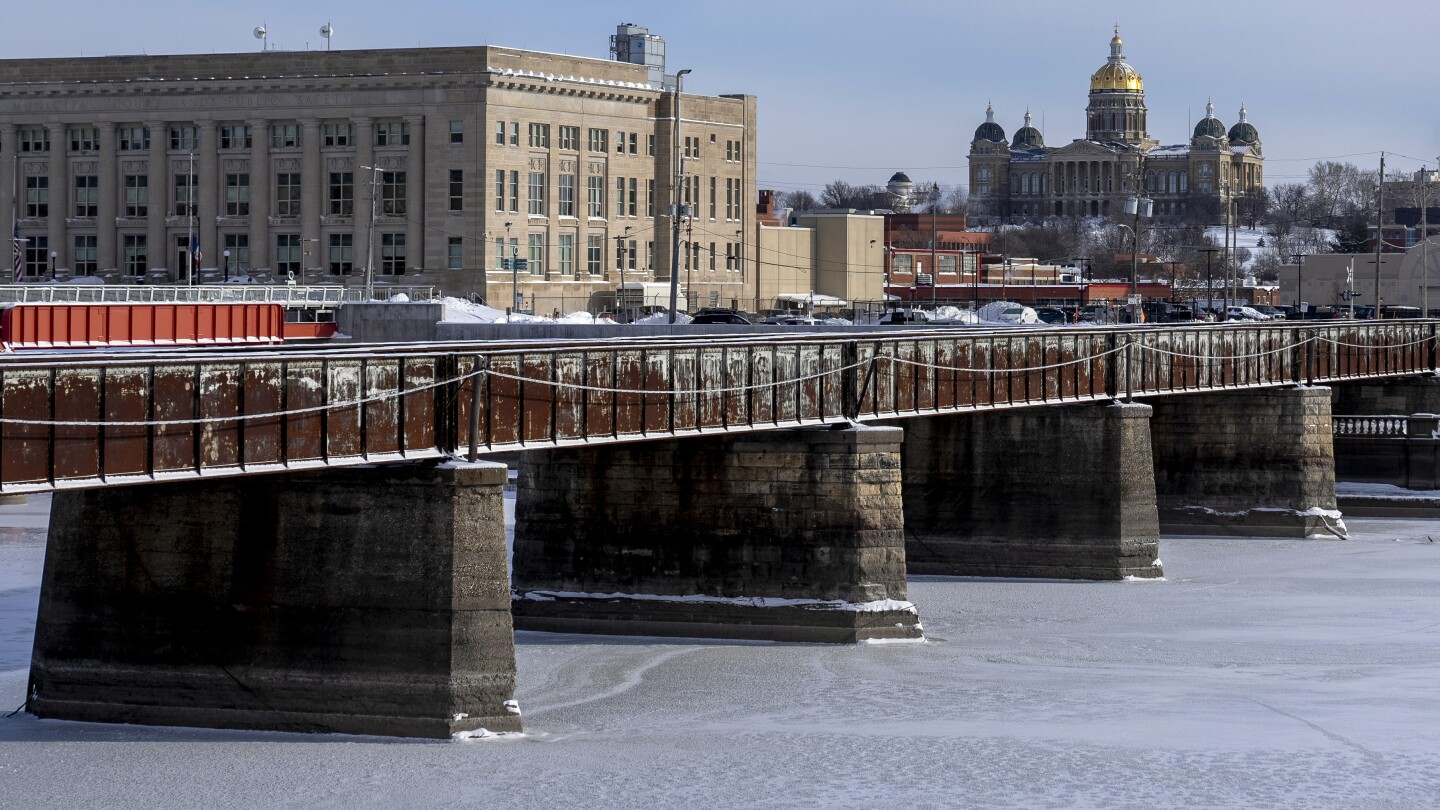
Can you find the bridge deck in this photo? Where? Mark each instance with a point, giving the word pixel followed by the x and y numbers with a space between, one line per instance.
pixel 87 419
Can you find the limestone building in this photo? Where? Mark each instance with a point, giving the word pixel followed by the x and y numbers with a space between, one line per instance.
pixel 436 162
pixel 1022 178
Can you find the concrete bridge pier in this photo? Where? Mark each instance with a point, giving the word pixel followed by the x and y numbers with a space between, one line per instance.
pixel 1064 492
pixel 791 535
pixel 1258 462
pixel 364 601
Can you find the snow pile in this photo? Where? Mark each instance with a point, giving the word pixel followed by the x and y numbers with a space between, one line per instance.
pixel 1007 312
pixel 458 310
pixel 398 298
pixel 662 318
pixel 949 313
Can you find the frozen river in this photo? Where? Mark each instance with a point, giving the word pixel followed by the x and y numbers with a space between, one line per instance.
pixel 1262 673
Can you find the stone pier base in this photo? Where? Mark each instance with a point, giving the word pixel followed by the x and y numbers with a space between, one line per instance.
pixel 788 535
pixel 1255 463
pixel 1064 492
pixel 367 601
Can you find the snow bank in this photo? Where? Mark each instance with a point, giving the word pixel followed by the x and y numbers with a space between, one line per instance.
pixel 458 310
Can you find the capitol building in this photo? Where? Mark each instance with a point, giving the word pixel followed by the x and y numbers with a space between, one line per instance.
pixel 1022 178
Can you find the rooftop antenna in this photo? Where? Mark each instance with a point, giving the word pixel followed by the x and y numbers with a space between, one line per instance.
pixel 326 31
pixel 260 35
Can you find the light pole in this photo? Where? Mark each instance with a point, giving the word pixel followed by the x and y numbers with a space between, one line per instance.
pixel 514 275
pixel 370 238
pixel 226 256
pixel 934 237
pixel 1209 292
pixel 1138 206
pixel 1300 283
pixel 620 260
pixel 53 254
pixel 675 212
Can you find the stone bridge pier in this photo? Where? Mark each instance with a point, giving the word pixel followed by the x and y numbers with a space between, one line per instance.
pixel 1399 396
pixel 791 535
pixel 1259 462
pixel 1061 492
pixel 366 601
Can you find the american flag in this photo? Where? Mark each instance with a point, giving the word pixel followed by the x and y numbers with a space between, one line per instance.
pixel 19 254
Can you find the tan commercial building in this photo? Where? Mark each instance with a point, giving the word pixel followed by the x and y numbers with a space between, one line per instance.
pixel 829 259
pixel 1409 279
pixel 432 166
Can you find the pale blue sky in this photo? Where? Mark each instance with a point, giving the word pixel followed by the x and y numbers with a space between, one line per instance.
pixel 856 90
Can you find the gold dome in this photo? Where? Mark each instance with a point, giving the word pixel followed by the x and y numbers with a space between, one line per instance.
pixel 1115 74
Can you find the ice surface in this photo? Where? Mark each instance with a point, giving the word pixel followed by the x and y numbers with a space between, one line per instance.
pixel 1267 673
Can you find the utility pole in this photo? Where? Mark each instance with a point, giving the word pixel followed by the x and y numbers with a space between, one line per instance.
pixel 1209 288
pixel 1299 282
pixel 675 212
pixel 620 260
pixel 934 236
pixel 1379 232
pixel 370 237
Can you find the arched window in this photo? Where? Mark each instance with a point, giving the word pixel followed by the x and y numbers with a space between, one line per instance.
pixel 1014 183
pixel 1184 182
pixel 1149 181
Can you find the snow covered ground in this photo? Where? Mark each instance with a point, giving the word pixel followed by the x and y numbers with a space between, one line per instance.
pixel 1260 673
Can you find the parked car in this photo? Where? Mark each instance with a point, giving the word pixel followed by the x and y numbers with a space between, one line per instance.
pixel 791 320
pixel 718 315
pixel 1052 315
pixel 1268 311
pixel 1244 313
pixel 905 316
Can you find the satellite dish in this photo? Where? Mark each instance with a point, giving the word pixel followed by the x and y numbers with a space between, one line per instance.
pixel 326 31
pixel 259 32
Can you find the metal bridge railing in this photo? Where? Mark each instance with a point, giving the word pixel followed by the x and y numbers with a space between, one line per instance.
pixel 289 295
pixel 95 419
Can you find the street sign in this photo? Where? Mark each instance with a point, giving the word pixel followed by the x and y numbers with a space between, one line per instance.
pixel 520 264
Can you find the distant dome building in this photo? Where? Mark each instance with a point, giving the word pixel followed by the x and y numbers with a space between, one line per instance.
pixel 1093 176
pixel 1028 137
pixel 902 192
pixel 1244 132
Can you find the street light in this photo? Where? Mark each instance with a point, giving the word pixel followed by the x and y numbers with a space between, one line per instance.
pixel 53 254
pixel 370 238
pixel 226 256
pixel 514 275
pixel 1209 292
pixel 1139 207
pixel 934 237
pixel 620 260
pixel 1300 283
pixel 675 212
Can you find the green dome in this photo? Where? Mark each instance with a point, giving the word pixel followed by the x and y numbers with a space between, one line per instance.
pixel 1028 137
pixel 990 131
pixel 1209 127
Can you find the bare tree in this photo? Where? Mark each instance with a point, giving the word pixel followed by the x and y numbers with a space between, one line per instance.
pixel 799 200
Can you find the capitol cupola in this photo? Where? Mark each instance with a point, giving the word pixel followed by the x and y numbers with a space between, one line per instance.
pixel 1117 100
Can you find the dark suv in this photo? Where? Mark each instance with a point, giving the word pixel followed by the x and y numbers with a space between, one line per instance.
pixel 718 315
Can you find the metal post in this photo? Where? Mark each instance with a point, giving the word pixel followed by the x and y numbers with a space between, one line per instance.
pixel 370 238
pixel 52 265
pixel 1379 232
pixel 1299 282
pixel 675 212
pixel 934 238
pixel 1209 285
pixel 226 256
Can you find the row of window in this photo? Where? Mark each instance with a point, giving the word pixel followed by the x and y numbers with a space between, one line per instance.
pixel 340 256
pixel 627 195
pixel 236 136
pixel 284 203
pixel 626 253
